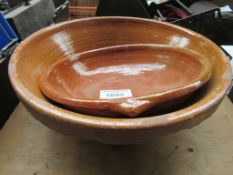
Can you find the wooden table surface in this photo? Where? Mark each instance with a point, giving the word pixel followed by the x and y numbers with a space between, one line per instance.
pixel 29 148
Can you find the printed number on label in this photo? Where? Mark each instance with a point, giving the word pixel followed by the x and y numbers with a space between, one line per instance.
pixel 113 94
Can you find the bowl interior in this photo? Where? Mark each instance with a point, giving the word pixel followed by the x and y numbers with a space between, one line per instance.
pixel 107 78
pixel 51 44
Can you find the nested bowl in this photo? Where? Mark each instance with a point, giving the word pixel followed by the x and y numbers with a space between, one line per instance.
pixel 66 40
pixel 125 79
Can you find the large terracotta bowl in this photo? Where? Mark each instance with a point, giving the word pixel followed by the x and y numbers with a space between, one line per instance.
pixel 57 42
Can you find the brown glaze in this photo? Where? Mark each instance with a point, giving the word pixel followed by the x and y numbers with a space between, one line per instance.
pixel 152 74
pixel 45 47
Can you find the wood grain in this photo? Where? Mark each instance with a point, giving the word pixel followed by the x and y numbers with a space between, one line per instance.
pixel 30 148
pixel 84 2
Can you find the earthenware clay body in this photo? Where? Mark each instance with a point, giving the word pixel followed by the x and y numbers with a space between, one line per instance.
pixel 42 49
pixel 126 79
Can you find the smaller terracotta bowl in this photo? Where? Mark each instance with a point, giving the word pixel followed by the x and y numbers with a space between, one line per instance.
pixel 125 79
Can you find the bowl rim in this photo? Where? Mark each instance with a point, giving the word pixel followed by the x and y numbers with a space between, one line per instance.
pixel 57 113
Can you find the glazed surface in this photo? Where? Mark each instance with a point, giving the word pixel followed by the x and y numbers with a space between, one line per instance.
pixel 45 47
pixel 143 71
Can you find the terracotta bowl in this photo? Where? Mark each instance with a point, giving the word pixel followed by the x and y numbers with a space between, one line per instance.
pixel 45 47
pixel 125 79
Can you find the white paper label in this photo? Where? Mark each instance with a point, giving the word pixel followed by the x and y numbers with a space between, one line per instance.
pixel 113 94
